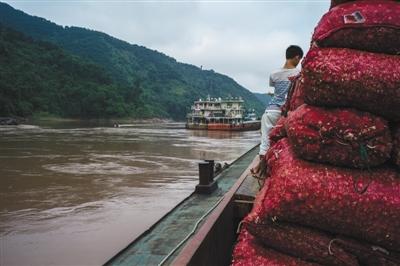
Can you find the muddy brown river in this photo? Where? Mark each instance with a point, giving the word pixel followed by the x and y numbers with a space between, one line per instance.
pixel 76 194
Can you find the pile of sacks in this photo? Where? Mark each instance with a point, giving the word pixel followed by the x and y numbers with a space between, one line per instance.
pixel 332 196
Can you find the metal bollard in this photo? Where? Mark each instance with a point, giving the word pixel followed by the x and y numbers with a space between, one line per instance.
pixel 206 178
pixel 204 173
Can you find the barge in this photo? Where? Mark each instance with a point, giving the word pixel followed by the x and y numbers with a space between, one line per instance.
pixel 221 114
pixel 200 230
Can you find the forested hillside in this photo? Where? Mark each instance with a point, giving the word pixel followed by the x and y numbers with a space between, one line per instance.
pixel 157 85
pixel 38 77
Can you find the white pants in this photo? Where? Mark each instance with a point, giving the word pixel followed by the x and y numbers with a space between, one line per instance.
pixel 268 121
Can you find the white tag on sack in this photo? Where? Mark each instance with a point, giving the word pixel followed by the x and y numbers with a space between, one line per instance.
pixel 354 18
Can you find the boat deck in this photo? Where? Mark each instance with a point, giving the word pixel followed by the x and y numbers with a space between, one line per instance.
pixel 165 238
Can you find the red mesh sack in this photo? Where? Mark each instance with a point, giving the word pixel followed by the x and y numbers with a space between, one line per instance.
pixel 339 2
pixel 363 25
pixel 340 77
pixel 311 244
pixel 360 204
pixel 396 145
pixel 278 132
pixel 343 137
pixel 301 242
pixel 249 252
pixel 317 246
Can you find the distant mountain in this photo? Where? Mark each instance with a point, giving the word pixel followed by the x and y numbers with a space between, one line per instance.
pixel 39 77
pixel 162 86
pixel 265 98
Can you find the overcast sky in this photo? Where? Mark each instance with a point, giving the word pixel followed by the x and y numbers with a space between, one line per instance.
pixel 245 40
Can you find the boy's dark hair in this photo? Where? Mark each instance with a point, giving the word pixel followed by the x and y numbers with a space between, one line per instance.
pixel 292 51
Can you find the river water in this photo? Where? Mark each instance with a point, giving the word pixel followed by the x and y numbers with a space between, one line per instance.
pixel 73 194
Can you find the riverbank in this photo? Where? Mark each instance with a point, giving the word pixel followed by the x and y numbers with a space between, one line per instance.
pixel 51 120
pixel 8 121
pixel 102 121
